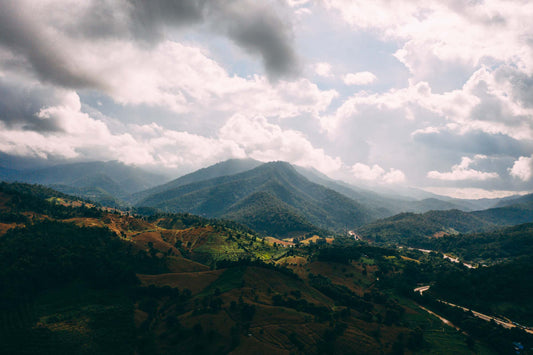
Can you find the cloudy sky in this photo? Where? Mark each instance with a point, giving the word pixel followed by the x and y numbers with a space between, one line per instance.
pixel 433 94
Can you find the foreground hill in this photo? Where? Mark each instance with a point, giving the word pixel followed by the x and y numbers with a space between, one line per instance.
pixel 269 191
pixel 105 182
pixel 76 279
pixel 411 229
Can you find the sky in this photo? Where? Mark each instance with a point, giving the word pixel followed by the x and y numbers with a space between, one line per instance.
pixel 430 94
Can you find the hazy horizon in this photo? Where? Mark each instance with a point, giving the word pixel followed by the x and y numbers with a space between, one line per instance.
pixel 435 95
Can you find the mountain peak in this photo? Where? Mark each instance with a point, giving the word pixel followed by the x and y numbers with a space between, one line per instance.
pixel 270 191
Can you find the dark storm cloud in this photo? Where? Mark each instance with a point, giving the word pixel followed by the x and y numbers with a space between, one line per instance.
pixel 259 30
pixel 254 26
pixel 251 25
pixel 521 83
pixel 148 16
pixel 137 19
pixel 475 142
pixel 20 105
pixel 19 32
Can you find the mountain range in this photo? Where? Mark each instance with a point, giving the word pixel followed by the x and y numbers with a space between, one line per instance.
pixel 411 229
pixel 108 183
pixel 284 200
pixel 262 196
pixel 278 199
pixel 391 203
pixel 225 168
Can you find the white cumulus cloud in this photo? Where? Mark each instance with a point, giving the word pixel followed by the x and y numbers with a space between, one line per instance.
pixel 487 102
pixel 394 176
pixel 522 168
pixel 376 173
pixel 361 78
pixel 265 141
pixel 462 171
pixel 468 32
pixel 323 69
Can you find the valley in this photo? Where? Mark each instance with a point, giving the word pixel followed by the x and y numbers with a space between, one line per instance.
pixel 263 260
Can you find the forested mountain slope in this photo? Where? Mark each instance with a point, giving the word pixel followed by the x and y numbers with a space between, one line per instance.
pixel 410 228
pixel 233 196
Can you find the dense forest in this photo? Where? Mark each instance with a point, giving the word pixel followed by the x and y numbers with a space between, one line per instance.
pixel 411 229
pixel 487 247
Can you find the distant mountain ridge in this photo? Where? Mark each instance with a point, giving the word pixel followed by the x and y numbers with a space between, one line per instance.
pixel 278 187
pixel 105 182
pixel 278 198
pixel 224 168
pixel 410 228
pixel 389 204
pixel 525 199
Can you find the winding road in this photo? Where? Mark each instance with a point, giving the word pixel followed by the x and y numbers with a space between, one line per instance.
pixel 504 323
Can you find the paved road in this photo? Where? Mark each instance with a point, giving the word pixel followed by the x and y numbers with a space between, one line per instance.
pixel 444 320
pixel 422 289
pixel 445 256
pixel 503 323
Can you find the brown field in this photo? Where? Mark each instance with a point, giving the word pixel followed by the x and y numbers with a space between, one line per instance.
pixel 266 283
pixel 440 234
pixel 179 264
pixel 314 239
pixel 4 199
pixel 194 281
pixel 354 338
pixel 86 222
pixel 410 259
pixel 4 227
pixel 143 239
pixel 337 273
pixel 252 345
pixel 195 236
pixel 272 240
pixel 292 260
pixel 126 224
pixel 139 317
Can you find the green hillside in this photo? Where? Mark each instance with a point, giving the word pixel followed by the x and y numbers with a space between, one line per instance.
pixel 225 168
pixel 413 229
pixel 410 228
pixel 268 215
pixel 229 197
pixel 521 212
pixel 487 247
